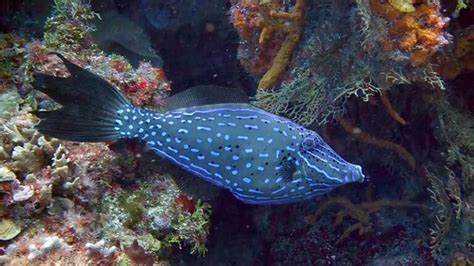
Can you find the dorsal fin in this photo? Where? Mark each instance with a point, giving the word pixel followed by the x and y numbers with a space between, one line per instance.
pixel 204 95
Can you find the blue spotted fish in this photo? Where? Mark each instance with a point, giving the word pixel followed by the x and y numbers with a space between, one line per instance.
pixel 261 158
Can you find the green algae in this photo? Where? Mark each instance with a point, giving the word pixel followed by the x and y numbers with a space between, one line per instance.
pixel 68 28
pixel 9 103
pixel 192 226
pixel 133 206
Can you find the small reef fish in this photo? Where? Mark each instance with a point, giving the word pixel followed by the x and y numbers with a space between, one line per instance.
pixel 261 158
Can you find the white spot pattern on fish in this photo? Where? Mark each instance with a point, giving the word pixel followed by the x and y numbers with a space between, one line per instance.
pixel 223 145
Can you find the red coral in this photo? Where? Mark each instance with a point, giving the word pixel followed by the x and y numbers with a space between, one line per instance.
pixel 37 52
pixel 131 87
pixel 186 202
pixel 160 74
pixel 141 91
pixel 119 65
pixel 244 15
pixel 138 255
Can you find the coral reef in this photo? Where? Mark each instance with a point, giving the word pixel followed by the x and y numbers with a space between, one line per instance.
pixel 68 31
pixel 459 57
pixel 269 36
pixel 289 22
pixel 375 68
pixel 451 180
pixel 52 192
pixel 361 212
pixel 369 75
pixel 153 216
pixel 319 87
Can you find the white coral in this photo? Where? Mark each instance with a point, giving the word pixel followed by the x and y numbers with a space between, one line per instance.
pixel 60 163
pixel 99 248
pixel 50 243
pixel 22 193
pixel 29 157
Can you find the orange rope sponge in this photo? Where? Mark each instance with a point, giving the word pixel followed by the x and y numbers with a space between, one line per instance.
pixel 289 22
pixel 390 110
pixel 360 212
pixel 362 136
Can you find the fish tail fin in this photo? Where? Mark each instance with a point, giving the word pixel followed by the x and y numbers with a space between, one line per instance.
pixel 90 109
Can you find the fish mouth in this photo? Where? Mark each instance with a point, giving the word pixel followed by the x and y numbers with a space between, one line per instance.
pixel 357 174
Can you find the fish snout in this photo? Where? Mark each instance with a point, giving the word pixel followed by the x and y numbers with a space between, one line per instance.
pixel 357 174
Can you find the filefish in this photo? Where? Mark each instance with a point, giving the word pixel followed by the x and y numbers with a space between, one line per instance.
pixel 212 132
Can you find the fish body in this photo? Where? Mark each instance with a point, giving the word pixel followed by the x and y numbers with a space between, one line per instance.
pixel 261 158
pixel 258 156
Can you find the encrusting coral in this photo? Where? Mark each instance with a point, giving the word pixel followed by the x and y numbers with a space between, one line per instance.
pixel 417 31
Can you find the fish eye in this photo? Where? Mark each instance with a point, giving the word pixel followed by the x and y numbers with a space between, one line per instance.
pixel 308 144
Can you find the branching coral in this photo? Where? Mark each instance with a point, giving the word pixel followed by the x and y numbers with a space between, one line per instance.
pixel 360 212
pixel 39 163
pixel 49 244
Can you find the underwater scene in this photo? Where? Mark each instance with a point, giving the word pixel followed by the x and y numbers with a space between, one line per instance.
pixel 237 132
